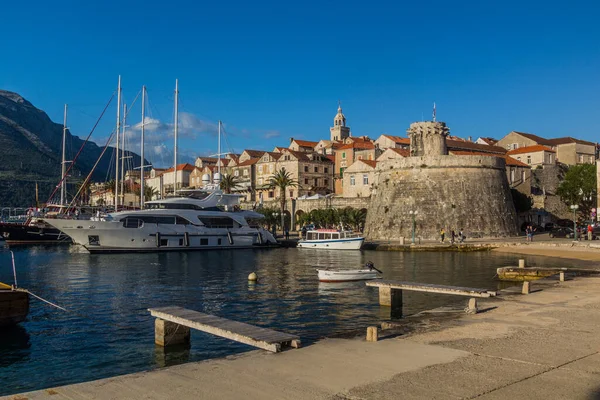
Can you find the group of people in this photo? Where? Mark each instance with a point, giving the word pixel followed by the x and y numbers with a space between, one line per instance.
pixel 460 237
pixel 529 232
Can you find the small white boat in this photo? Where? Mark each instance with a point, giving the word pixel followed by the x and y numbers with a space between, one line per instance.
pixel 346 275
pixel 332 239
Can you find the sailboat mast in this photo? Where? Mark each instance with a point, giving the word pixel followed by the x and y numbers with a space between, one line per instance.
pixel 117 147
pixel 142 149
pixel 123 155
pixel 175 133
pixel 219 152
pixel 64 163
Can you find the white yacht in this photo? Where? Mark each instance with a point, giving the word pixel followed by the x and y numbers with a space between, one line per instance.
pixel 201 220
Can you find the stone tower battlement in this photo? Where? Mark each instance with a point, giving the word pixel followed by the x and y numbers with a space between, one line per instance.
pixel 428 138
pixel 437 191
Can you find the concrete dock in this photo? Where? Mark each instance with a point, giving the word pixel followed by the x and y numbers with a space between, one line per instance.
pixel 544 345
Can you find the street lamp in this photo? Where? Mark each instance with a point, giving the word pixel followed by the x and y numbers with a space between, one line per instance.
pixel 575 207
pixel 276 214
pixel 414 216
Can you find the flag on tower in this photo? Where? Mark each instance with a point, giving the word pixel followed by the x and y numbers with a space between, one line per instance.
pixel 434 111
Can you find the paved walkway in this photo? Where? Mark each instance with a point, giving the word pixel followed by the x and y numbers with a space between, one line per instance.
pixel 541 346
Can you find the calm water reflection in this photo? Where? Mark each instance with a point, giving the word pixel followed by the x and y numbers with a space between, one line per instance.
pixel 109 331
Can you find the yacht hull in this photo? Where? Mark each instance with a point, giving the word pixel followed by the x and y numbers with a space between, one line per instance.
pixel 110 236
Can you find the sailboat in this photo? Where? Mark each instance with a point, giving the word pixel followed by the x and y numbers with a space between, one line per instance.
pixel 36 230
pixel 189 220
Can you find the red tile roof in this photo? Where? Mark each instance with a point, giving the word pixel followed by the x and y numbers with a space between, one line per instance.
pixel 466 145
pixel 254 153
pixel 509 160
pixel 300 155
pixel 357 145
pixel 489 141
pixel 536 138
pixel 182 167
pixel 402 152
pixel 370 163
pixel 568 139
pixel 304 143
pixel 248 162
pixel 530 149
pixel 398 139
pixel 207 159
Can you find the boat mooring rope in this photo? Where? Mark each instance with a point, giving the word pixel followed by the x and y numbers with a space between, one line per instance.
pixel 39 298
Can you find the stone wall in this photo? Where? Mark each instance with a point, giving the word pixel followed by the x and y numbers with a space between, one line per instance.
pixel 466 192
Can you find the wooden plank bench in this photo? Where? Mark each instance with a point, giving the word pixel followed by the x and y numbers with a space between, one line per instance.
pixel 390 292
pixel 173 323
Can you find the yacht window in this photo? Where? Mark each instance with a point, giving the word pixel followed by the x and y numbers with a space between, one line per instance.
pixel 181 221
pixel 181 242
pixel 164 242
pixel 203 242
pixel 133 223
pixel 216 222
pixel 219 241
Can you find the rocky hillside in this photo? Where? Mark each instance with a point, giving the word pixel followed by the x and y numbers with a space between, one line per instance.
pixel 30 152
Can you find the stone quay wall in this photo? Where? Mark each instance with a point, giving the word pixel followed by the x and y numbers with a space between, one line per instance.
pixel 467 192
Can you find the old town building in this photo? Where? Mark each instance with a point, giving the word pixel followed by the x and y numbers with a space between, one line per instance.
pixel 358 178
pixel 568 150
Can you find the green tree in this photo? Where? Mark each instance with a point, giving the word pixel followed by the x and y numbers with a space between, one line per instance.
pixel 229 182
pixel 579 188
pixel 149 192
pixel 270 216
pixel 282 180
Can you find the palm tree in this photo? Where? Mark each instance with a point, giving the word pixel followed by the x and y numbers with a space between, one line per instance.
pixel 282 180
pixel 149 192
pixel 229 182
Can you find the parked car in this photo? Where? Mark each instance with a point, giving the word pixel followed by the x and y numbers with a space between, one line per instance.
pixel 562 233
pixel 566 223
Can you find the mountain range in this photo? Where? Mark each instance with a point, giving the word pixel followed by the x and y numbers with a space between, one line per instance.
pixel 31 152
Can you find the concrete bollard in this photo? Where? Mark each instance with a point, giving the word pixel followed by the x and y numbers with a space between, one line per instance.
pixel 526 288
pixel 562 276
pixel 401 240
pixel 372 334
pixel 472 306
pixel 252 277
pixel 168 333
pixel 521 263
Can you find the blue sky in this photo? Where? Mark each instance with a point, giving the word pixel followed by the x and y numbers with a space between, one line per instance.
pixel 275 70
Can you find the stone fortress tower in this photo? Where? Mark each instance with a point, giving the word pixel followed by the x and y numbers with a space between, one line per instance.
pixel 339 130
pixel 446 191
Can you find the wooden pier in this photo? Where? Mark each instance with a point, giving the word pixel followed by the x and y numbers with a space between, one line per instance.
pixel 390 293
pixel 523 274
pixel 173 324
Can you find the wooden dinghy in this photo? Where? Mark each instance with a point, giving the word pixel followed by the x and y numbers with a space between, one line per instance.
pixel 14 305
pixel 346 275
pixel 516 274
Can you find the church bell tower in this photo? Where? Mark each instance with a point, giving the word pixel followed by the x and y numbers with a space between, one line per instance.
pixel 339 130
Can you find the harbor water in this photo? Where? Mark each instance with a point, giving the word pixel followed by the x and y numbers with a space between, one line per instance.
pixel 108 331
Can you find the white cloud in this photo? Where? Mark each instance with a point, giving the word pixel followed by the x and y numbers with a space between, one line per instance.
pixel 271 134
pixel 189 126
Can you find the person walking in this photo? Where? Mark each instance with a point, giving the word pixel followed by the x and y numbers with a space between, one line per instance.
pixel 452 236
pixel 442 234
pixel 461 235
pixel 287 233
pixel 589 232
